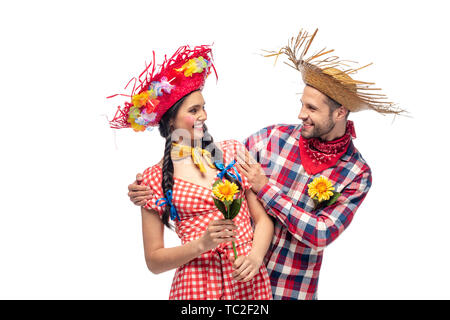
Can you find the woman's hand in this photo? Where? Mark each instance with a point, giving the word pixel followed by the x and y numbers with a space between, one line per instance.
pixel 246 267
pixel 218 231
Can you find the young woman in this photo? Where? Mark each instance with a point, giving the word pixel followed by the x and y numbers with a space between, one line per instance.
pixel 181 184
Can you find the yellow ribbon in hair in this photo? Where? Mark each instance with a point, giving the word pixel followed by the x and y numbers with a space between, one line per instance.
pixel 180 151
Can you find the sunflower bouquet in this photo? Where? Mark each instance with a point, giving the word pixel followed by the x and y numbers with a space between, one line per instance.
pixel 227 200
pixel 321 190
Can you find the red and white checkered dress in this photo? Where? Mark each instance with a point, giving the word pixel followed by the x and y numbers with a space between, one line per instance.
pixel 209 275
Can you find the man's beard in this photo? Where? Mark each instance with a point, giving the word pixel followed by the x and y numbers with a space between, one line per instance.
pixel 319 130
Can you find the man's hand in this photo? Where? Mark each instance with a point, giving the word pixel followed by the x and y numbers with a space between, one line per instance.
pixel 139 194
pixel 252 170
pixel 245 267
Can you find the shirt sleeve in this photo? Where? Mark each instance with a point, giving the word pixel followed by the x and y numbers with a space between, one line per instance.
pixel 257 141
pixel 152 178
pixel 319 228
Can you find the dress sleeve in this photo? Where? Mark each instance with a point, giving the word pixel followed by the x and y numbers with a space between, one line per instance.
pixel 152 178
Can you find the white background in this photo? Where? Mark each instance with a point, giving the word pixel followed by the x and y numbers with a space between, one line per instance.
pixel 67 229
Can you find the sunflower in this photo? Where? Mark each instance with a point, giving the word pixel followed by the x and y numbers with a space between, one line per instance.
pixel 321 188
pixel 225 190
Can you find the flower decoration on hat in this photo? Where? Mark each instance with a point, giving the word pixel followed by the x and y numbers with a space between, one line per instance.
pixel 155 92
pixel 331 76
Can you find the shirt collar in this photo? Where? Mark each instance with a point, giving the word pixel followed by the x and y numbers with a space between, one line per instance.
pixel 349 153
pixel 297 132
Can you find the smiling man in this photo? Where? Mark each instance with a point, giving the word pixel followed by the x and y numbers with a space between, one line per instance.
pixel 291 158
pixel 310 177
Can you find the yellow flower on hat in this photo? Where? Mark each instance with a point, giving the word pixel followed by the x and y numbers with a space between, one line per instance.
pixel 225 190
pixel 136 126
pixel 193 66
pixel 321 188
pixel 141 99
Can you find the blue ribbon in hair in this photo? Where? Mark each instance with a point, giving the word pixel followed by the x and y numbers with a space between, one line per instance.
pixel 168 200
pixel 224 170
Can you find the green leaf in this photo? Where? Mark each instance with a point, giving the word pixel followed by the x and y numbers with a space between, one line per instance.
pixel 235 207
pixel 334 198
pixel 219 204
pixel 328 202
pixel 227 203
pixel 216 182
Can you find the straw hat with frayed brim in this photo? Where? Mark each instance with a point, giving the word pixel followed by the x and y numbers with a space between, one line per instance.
pixel 331 76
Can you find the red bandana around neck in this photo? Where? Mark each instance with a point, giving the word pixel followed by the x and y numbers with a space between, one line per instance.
pixel 318 155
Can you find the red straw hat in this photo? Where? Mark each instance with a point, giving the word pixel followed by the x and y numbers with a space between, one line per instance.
pixel 155 92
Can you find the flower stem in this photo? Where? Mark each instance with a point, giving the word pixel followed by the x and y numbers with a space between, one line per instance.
pixel 234 250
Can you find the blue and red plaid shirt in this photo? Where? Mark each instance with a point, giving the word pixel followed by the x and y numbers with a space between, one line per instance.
pixel 301 233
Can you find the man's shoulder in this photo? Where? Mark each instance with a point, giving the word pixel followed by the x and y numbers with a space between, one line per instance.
pixel 355 159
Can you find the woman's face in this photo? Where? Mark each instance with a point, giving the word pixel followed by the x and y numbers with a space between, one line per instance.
pixel 189 120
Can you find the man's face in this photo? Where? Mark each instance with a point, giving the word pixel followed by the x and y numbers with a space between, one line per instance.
pixel 315 113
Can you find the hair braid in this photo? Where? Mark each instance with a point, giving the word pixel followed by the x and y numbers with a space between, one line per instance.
pixel 216 153
pixel 167 178
pixel 167 167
